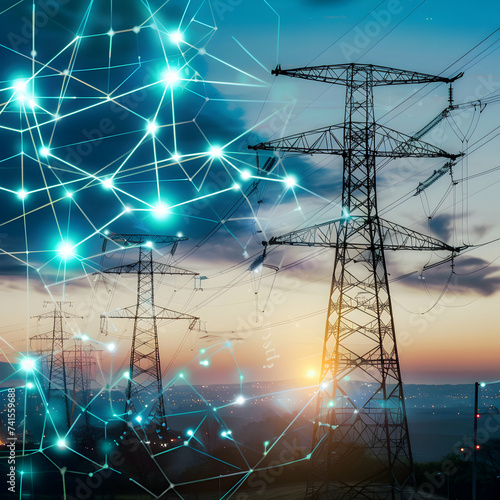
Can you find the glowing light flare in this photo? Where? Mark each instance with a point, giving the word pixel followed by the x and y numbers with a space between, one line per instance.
pixel 152 127
pixel 171 76
pixel 61 443
pixel 44 152
pixel 29 385
pixel 66 250
pixel 290 182
pixel 311 373
pixel 205 362
pixel 245 175
pixel 216 152
pixel 108 183
pixel 138 418
pixel 189 432
pixel 239 400
pixel 22 194
pixel 177 37
pixel 111 347
pixel 160 211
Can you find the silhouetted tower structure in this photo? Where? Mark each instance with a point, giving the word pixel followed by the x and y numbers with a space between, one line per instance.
pixel 145 389
pixel 361 446
pixel 55 358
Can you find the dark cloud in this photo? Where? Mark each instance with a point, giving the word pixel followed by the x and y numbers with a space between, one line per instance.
pixel 472 275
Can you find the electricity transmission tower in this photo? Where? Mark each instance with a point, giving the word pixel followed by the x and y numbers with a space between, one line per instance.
pixel 145 390
pixel 361 446
pixel 53 348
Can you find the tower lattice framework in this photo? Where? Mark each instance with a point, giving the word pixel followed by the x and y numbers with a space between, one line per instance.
pixel 52 347
pixel 360 446
pixel 144 397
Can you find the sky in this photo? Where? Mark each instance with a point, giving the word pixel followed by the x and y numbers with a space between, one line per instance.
pixel 138 120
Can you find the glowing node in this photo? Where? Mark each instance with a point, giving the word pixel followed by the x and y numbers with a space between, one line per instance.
pixel 66 250
pixel 69 194
pixel 44 152
pixel 111 347
pixel 20 86
pixel 324 385
pixel 160 211
pixel 136 29
pixel 85 337
pixel 202 351
pixel 176 157
pixel 236 186
pixel 241 377
pixel 22 194
pixel 171 76
pixel 31 103
pixel 347 378
pixel 181 375
pixel 111 33
pixel 345 213
pixel 186 443
pixel 138 418
pixel 223 434
pixel 152 127
pixel 245 175
pixel 29 385
pixel 483 384
pixel 216 152
pixel 189 432
pixel 33 53
pixel 290 182
pixel 176 37
pixel 311 373
pixel 149 244
pixel 126 375
pixel 240 400
pixel 266 443
pixel 331 404
pixel 61 443
pixel 107 183
pixel 308 457
pixel 127 209
pixel 179 235
pixel 205 362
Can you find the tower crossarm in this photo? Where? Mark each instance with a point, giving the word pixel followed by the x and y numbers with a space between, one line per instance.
pixel 393 236
pixel 329 140
pixel 157 268
pixel 160 313
pixel 340 74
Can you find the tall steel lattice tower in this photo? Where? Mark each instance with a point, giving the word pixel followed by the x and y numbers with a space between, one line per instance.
pixel 52 347
pixel 145 389
pixel 361 446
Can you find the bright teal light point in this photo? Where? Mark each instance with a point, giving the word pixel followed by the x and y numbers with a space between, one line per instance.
pixel 179 235
pixel 66 250
pixel 22 194
pixel 176 37
pixel 138 418
pixel 216 152
pixel 189 432
pixel 152 127
pixel 205 362
pixel 160 211
pixel 61 443
pixel 111 347
pixel 345 213
pixel 44 152
pixel 290 182
pixel 28 364
pixel 240 400
pixel 126 375
pixel 20 86
pixel 245 175
pixel 29 385
pixel 482 384
pixel 202 351
pixel 171 76
pixel 85 337
pixel 107 183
